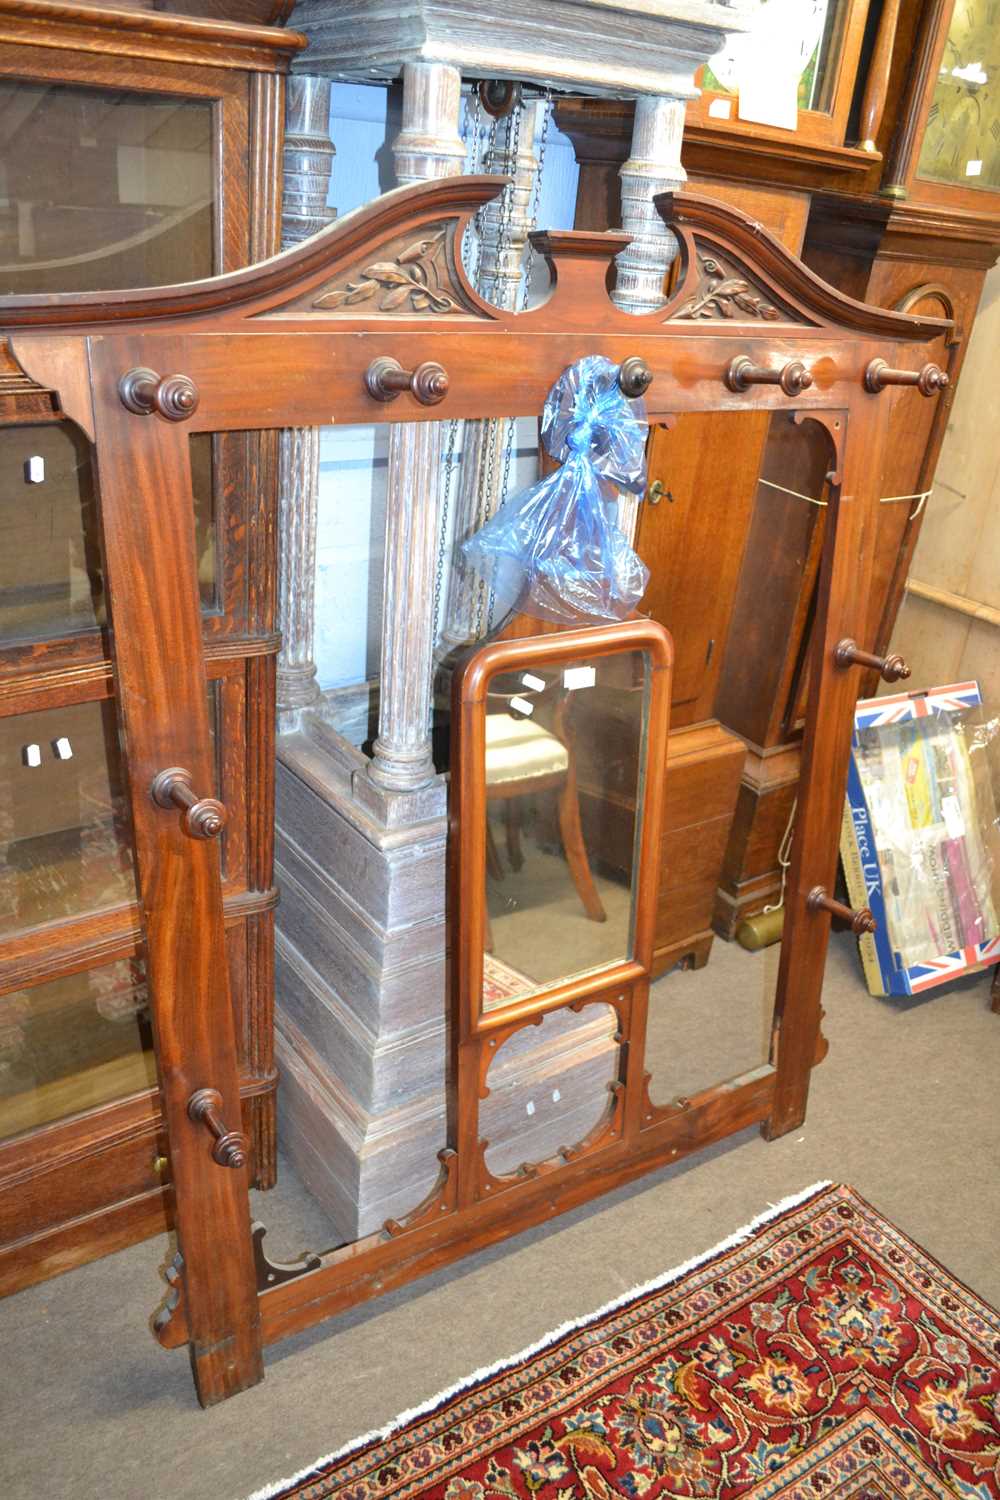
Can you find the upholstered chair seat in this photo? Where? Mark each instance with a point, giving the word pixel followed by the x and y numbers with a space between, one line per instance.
pixel 518 749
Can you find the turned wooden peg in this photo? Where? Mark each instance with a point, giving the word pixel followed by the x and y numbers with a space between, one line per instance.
pixel 893 668
pixel 143 392
pixel 386 378
pixel 204 817
pixel 928 381
pixel 793 377
pixel 860 920
pixel 230 1149
pixel 634 377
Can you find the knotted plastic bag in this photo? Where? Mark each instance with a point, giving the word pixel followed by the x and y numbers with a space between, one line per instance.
pixel 554 549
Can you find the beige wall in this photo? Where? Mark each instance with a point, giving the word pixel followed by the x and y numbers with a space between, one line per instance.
pixel 958 553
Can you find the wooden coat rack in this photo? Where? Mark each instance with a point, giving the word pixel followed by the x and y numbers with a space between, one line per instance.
pixel 373 320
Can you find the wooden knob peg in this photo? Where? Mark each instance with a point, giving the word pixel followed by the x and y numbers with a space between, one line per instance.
pixel 386 378
pixel 204 817
pixel 793 377
pixel 174 397
pixel 928 381
pixel 231 1147
pixel 859 920
pixel 634 377
pixel 847 653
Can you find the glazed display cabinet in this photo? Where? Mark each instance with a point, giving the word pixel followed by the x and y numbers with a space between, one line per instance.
pixel 135 150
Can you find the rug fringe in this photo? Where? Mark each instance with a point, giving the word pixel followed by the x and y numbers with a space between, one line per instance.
pixel 379 1434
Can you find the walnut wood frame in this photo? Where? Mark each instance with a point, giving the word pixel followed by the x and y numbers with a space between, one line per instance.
pixel 288 343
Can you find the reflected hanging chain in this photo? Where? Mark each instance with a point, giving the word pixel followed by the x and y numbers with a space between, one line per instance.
pixel 529 260
pixel 495 430
pixel 473 164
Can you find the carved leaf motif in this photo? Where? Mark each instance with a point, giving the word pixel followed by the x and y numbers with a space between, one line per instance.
pixel 386 274
pixel 721 294
pixel 413 276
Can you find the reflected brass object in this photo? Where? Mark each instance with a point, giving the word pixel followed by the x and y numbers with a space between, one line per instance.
pixel 204 817
pixel 174 397
pixel 634 377
pixel 859 920
pixel 928 381
pixel 793 377
pixel 386 379
pixel 160 1165
pixel 892 668
pixel 230 1149
pixel 761 930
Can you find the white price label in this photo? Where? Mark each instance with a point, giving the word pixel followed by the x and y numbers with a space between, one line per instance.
pixel 951 810
pixel 579 677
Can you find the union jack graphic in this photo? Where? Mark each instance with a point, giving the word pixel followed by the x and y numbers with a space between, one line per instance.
pixel 872 713
pixel 936 970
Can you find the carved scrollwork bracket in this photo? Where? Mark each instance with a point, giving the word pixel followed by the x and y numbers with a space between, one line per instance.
pixel 273 1272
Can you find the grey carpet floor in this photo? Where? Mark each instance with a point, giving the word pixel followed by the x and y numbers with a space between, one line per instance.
pixel 905 1108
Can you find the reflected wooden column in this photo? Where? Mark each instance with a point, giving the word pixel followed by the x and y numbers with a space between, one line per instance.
pixel 427 146
pixel 506 223
pixel 653 166
pixel 308 165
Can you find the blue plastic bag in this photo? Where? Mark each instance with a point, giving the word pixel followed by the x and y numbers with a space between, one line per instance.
pixel 554 549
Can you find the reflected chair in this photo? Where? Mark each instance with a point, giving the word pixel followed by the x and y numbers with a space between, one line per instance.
pixel 522 758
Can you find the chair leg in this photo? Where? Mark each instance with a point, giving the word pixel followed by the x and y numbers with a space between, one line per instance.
pixel 513 831
pixel 493 865
pixel 576 849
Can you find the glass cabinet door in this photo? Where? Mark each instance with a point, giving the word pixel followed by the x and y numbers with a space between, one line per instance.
pixel 103 188
pixel 65 846
pixel 73 1043
pixel 51 576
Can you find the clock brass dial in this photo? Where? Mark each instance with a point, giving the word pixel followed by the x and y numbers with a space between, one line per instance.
pixel 961 144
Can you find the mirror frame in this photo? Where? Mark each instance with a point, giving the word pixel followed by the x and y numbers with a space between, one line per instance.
pixel 478 1036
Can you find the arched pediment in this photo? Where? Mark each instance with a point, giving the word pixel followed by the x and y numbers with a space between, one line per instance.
pixel 397 261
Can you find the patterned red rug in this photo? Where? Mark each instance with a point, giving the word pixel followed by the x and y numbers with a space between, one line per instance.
pixel 818 1355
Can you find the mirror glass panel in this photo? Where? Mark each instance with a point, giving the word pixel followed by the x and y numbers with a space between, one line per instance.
pixel 550 1087
pixel 564 751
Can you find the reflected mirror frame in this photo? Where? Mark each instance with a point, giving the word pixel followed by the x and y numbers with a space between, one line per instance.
pixel 473 1029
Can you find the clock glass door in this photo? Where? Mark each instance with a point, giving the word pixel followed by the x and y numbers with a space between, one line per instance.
pixel 961 145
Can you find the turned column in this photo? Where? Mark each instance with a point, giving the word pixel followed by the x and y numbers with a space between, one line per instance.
pixel 653 166
pixel 428 145
pixel 505 229
pixel 308 164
